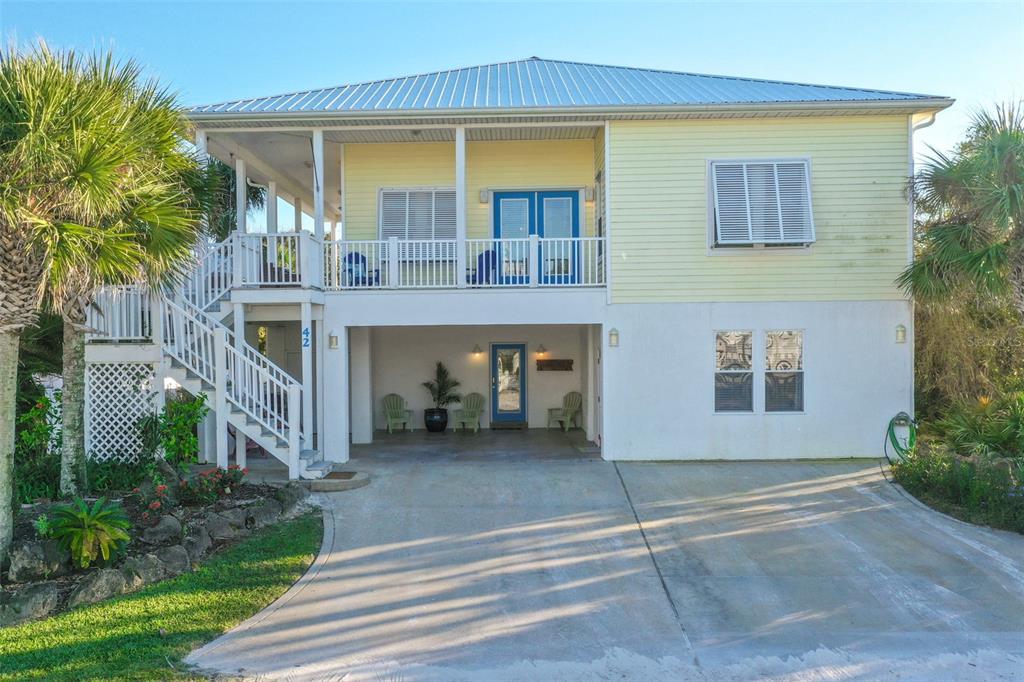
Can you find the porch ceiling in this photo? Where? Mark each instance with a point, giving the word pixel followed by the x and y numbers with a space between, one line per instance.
pixel 286 156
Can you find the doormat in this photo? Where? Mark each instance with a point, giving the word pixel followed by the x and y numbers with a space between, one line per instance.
pixel 509 426
pixel 340 475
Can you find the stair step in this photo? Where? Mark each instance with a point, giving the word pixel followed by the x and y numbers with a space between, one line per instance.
pixel 310 455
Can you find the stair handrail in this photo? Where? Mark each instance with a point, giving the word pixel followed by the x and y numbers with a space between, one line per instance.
pixel 190 336
pixel 211 278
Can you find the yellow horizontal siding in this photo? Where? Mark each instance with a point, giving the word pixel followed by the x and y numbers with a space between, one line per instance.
pixel 659 227
pixel 563 164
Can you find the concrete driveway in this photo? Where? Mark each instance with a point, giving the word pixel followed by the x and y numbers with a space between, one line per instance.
pixel 584 570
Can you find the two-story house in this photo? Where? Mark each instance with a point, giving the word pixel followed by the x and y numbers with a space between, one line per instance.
pixel 708 261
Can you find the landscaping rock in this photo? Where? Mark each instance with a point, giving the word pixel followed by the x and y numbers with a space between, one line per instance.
pixel 265 512
pixel 175 559
pixel 97 586
pixel 167 472
pixel 197 543
pixel 166 530
pixel 219 527
pixel 142 570
pixel 38 560
pixel 290 495
pixel 238 517
pixel 29 603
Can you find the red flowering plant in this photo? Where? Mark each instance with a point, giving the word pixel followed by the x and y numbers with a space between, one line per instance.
pixel 207 486
pixel 155 500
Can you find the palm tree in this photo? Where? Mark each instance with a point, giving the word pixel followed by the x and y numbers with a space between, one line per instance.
pixel 972 234
pixel 221 211
pixel 95 187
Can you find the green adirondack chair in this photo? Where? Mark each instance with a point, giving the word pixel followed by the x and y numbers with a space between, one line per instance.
pixel 395 412
pixel 566 415
pixel 470 412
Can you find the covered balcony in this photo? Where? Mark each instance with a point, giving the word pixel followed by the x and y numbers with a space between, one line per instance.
pixel 376 208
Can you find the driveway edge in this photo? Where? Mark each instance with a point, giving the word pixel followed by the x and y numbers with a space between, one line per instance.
pixel 326 549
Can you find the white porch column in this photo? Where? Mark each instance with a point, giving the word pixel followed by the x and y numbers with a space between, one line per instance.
pixel 318 183
pixel 306 342
pixel 239 325
pixel 318 378
pixel 240 193
pixel 272 207
pixel 201 146
pixel 340 234
pixel 460 206
pixel 220 403
pixel 298 214
pixel 361 384
pixel 590 398
pixel 208 439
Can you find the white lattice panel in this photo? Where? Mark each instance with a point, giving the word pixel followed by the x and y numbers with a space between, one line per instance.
pixel 118 394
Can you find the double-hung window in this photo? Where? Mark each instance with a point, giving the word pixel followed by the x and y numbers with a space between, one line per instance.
pixel 783 371
pixel 738 371
pixel 422 218
pixel 761 202
pixel 734 372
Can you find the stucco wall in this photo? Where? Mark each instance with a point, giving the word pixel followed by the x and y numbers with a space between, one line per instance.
pixel 403 357
pixel 658 400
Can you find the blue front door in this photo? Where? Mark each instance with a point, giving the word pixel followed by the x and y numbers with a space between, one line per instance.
pixel 508 383
pixel 551 215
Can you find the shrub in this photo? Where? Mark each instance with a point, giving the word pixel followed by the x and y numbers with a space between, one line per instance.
pixel 986 427
pixel 37 452
pixel 43 526
pixel 211 484
pixel 155 500
pixel 176 429
pixel 90 532
pixel 115 476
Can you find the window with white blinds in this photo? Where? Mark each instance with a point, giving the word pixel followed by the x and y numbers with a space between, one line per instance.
pixel 417 214
pixel 762 202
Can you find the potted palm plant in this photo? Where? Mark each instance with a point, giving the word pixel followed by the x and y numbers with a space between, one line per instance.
pixel 442 392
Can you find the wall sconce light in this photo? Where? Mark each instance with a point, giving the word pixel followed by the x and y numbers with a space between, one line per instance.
pixel 588 194
pixel 477 350
pixel 485 195
pixel 332 340
pixel 541 350
pixel 613 337
pixel 901 334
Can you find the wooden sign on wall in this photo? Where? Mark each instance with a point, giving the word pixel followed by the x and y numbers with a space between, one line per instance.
pixel 554 365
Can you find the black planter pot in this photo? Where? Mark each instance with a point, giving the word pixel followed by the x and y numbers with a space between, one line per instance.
pixel 435 419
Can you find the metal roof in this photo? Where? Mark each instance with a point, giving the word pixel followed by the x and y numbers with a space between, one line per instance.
pixel 548 84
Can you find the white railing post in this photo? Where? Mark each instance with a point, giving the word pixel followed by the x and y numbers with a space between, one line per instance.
pixel 236 261
pixel 534 260
pixel 305 244
pixel 294 419
pixel 220 406
pixel 393 262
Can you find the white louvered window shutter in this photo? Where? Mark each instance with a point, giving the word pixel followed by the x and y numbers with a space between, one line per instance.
pixel 762 202
pixel 444 214
pixel 393 212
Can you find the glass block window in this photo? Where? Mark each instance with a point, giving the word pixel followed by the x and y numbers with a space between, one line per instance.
pixel 734 372
pixel 784 371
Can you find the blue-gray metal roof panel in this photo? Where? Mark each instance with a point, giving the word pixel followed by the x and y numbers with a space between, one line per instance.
pixel 545 83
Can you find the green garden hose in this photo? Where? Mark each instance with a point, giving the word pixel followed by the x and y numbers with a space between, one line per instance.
pixel 901 448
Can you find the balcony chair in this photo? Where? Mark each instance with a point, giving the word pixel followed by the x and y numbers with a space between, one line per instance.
pixel 357 274
pixel 395 412
pixel 471 411
pixel 566 415
pixel 486 268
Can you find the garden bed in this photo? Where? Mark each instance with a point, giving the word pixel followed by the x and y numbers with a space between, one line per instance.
pixel 167 539
pixel 145 635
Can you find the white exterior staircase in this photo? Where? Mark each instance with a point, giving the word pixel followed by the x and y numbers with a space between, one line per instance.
pixel 243 387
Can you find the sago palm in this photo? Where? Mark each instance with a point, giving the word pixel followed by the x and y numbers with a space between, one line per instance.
pixel 973 206
pixel 95 187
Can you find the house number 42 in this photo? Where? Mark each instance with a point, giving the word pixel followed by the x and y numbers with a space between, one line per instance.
pixel 305 337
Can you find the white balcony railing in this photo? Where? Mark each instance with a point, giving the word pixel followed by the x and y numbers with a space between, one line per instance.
pixel 290 259
pixel 490 263
pixel 120 313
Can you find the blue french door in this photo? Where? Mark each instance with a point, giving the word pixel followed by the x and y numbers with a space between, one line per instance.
pixel 551 215
pixel 508 383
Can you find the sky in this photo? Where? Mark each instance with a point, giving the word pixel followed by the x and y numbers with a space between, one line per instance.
pixel 214 51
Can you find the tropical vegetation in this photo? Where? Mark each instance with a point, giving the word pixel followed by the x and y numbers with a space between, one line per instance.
pixel 95 187
pixel 968 281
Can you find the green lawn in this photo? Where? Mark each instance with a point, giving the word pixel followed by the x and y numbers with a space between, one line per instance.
pixel 120 638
